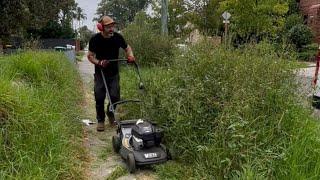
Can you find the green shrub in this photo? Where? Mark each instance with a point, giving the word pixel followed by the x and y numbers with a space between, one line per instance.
pixel 308 52
pixel 234 114
pixel 150 48
pixel 40 102
pixel 293 20
pixel 300 35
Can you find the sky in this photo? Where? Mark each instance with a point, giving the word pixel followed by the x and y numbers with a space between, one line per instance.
pixel 89 7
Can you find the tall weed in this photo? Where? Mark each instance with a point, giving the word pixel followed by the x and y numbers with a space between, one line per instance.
pixel 150 48
pixel 234 114
pixel 40 99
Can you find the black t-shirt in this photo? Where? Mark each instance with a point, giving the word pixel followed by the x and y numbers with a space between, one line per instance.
pixel 107 48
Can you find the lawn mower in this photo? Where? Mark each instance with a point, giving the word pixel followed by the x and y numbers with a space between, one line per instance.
pixel 138 141
pixel 316 97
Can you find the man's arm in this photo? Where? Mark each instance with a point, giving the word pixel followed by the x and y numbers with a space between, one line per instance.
pixel 91 58
pixel 129 54
pixel 129 51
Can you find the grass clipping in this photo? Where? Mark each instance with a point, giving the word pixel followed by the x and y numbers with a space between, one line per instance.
pixel 40 102
pixel 234 114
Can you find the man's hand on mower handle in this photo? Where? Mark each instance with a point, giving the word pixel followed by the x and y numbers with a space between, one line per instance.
pixel 131 59
pixel 103 63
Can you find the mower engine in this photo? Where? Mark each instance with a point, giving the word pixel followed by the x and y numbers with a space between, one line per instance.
pixel 145 135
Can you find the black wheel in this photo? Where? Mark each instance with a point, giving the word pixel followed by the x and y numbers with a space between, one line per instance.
pixel 116 143
pixel 131 163
pixel 316 102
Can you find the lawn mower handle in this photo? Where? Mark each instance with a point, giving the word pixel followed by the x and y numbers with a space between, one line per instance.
pixel 126 101
pixel 141 86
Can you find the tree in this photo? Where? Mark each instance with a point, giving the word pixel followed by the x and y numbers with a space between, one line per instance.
pixel 22 17
pixel 12 20
pixel 177 17
pixel 264 18
pixel 41 12
pixel 80 15
pixel 203 14
pixel 123 11
pixel 85 35
pixel 206 15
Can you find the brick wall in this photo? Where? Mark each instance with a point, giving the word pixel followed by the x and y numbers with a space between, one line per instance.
pixel 311 11
pixel 305 4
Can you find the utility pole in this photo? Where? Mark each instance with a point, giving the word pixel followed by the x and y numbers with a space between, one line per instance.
pixel 164 17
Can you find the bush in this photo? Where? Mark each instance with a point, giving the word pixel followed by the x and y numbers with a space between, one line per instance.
pixel 300 35
pixel 234 114
pixel 308 52
pixel 292 20
pixel 150 48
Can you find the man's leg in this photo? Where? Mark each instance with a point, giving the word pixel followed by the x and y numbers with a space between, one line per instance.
pixel 114 91
pixel 100 95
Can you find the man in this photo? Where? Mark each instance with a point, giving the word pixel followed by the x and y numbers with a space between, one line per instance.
pixel 105 46
pixel 315 85
pixel 315 78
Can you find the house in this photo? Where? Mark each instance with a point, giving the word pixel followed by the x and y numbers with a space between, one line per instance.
pixel 311 12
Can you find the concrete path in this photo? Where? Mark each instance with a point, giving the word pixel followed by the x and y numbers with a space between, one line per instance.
pixel 304 77
pixel 86 70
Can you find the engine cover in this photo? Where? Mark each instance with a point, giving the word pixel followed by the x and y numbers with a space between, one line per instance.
pixel 147 132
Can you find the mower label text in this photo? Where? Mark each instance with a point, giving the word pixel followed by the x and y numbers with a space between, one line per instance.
pixel 150 155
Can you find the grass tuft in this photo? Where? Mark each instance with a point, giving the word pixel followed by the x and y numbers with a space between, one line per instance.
pixel 117 173
pixel 39 107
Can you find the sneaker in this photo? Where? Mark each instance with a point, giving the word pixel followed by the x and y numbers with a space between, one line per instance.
pixel 100 126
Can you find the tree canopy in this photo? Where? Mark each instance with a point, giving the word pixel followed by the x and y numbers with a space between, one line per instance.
pixel 250 19
pixel 123 11
pixel 31 18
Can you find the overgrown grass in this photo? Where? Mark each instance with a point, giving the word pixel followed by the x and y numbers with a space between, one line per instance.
pixel 39 105
pixel 233 114
pixel 117 173
pixel 129 84
pixel 106 151
pixel 149 48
